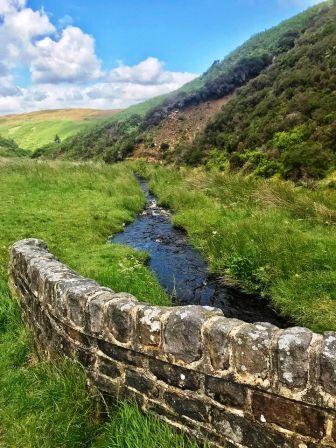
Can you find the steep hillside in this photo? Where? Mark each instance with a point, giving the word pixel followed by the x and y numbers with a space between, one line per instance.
pixel 284 121
pixel 264 88
pixel 36 129
pixel 179 127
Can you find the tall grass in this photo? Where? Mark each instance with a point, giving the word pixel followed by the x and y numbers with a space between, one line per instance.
pixel 74 208
pixel 267 236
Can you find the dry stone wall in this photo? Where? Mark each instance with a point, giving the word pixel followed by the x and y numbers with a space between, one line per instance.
pixel 222 380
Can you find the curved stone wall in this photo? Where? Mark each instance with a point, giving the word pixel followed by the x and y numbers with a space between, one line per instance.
pixel 222 380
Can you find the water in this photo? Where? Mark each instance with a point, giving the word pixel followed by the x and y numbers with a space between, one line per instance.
pixel 182 270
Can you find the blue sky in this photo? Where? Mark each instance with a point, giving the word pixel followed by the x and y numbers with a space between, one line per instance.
pixel 108 54
pixel 187 34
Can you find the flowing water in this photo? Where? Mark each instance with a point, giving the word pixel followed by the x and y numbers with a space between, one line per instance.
pixel 182 270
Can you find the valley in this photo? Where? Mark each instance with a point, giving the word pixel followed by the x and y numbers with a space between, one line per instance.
pixel 206 215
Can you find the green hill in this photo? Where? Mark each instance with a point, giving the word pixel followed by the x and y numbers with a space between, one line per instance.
pixel 283 121
pixel 278 114
pixel 33 130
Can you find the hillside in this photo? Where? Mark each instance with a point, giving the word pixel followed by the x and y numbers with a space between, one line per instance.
pixel 35 129
pixel 250 111
pixel 8 148
pixel 284 120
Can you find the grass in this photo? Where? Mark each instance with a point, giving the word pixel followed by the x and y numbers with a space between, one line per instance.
pixel 73 207
pixel 267 236
pixel 33 130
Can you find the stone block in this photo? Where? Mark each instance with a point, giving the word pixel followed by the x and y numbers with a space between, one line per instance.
pixel 149 324
pixel 142 383
pixel 251 350
pixel 333 432
pixel 217 341
pixel 174 375
pixel 121 354
pixel 75 299
pixel 183 332
pixel 328 363
pixel 84 357
pixel 184 405
pixel 78 336
pixel 293 416
pixel 245 432
pixel 109 368
pixel 293 358
pixel 112 387
pixel 225 392
pixel 120 317
pixel 95 316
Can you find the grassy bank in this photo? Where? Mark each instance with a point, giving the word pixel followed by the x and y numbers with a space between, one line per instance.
pixel 267 236
pixel 73 208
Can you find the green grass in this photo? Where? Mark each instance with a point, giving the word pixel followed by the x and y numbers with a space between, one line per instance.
pixel 33 130
pixel 74 208
pixel 265 235
pixel 32 135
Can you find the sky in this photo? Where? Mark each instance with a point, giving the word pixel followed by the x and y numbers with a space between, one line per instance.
pixel 109 54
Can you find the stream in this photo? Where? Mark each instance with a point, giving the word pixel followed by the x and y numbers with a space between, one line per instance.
pixel 183 272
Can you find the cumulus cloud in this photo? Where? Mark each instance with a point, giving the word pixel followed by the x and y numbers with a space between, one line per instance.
pixel 10 6
pixel 65 70
pixel 70 59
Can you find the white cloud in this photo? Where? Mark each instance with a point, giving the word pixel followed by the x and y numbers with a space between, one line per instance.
pixel 70 59
pixel 65 70
pixel 9 6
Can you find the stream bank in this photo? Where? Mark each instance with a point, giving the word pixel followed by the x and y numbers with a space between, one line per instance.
pixel 183 272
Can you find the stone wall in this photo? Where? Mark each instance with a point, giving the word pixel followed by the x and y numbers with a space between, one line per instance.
pixel 223 380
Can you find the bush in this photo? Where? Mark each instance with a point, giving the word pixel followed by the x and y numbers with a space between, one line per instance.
pixel 306 160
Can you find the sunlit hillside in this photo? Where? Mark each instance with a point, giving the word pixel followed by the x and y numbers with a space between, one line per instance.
pixel 36 129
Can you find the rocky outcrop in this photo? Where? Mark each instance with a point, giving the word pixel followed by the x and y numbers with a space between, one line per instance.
pixel 223 380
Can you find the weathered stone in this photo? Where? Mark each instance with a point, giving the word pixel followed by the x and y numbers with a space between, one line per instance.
pixel 217 335
pixel 78 336
pixel 328 363
pixel 76 298
pixel 95 317
pixel 149 324
pixel 62 344
pixel 84 357
pixel 333 432
pixel 139 380
pixel 119 317
pixel 183 337
pixel 293 357
pixel 225 392
pixel 56 285
pixel 293 416
pixel 244 432
pixel 48 329
pixel 175 375
pixel 109 368
pixel 113 387
pixel 251 350
pixel 187 406
pixel 121 354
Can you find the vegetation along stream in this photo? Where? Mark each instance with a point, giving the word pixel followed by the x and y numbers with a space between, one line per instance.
pixel 182 270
